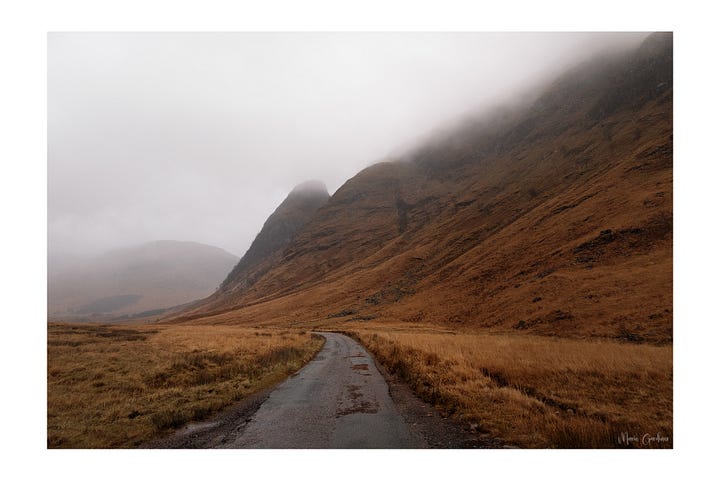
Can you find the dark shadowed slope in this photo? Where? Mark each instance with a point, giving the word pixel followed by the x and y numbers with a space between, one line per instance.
pixel 299 206
pixel 554 218
pixel 265 252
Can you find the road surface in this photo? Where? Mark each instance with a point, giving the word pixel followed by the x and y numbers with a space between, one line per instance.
pixel 338 400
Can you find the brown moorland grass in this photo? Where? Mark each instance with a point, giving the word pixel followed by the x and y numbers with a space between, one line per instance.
pixel 111 387
pixel 538 392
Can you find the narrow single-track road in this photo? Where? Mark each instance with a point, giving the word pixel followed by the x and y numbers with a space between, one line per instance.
pixel 338 400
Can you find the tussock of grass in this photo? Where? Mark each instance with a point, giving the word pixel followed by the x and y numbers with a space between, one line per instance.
pixel 118 387
pixel 537 391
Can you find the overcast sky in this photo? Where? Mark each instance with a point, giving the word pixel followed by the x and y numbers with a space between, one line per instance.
pixel 200 136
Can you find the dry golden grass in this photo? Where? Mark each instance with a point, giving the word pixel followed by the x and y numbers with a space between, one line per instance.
pixel 537 392
pixel 120 386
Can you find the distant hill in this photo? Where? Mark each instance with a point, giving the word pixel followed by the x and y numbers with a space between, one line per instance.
pixel 131 280
pixel 552 218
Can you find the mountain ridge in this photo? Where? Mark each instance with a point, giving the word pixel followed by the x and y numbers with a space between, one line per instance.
pixel 528 225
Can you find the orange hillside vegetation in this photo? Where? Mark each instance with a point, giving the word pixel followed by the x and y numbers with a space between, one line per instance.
pixel 554 218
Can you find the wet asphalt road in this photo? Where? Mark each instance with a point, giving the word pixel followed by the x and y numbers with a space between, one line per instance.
pixel 338 400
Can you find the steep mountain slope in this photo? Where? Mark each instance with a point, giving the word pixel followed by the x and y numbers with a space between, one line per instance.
pixel 150 276
pixel 265 252
pixel 554 218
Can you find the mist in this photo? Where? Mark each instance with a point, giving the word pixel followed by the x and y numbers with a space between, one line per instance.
pixel 199 137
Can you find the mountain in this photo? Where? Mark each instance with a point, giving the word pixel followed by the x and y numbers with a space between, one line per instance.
pixel 265 253
pixel 137 279
pixel 552 218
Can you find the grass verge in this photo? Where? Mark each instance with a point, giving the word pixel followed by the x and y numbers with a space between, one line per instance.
pixel 116 387
pixel 538 392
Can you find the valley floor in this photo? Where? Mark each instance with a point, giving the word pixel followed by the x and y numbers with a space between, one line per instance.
pixel 536 392
pixel 118 387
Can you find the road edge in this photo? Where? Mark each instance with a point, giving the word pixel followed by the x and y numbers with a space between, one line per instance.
pixel 437 428
pixel 216 430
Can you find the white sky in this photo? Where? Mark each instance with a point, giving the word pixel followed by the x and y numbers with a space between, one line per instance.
pixel 200 136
